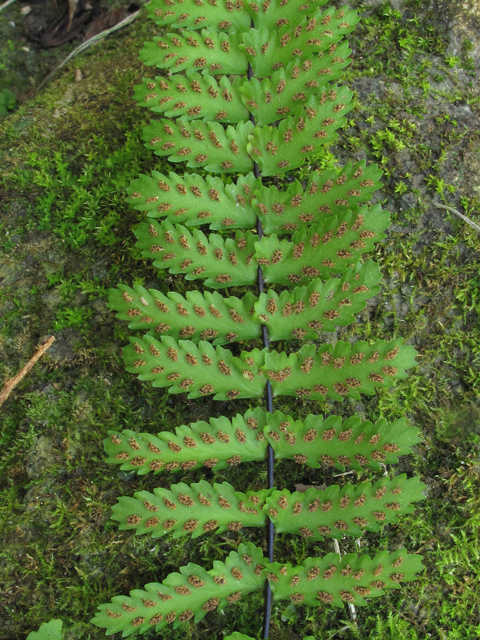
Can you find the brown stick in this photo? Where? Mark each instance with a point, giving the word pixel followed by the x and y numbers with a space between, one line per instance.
pixel 11 383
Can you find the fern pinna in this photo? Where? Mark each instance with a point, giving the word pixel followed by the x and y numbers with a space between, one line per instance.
pixel 247 89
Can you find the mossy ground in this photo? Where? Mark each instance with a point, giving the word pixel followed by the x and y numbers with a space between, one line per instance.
pixel 66 236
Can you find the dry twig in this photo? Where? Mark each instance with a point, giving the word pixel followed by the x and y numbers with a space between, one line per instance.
pixel 6 4
pixel 460 215
pixel 11 383
pixel 86 45
pixel 351 607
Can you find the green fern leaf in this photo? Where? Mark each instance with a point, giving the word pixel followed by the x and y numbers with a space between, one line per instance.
pixel 270 50
pixel 277 150
pixel 171 364
pixel 192 593
pixel 334 581
pixel 217 444
pixel 51 630
pixel 273 14
pixel 321 306
pixel 194 509
pixel 198 96
pixel 342 371
pixel 193 200
pixel 321 250
pixel 207 316
pixel 271 100
pixel 349 511
pixel 201 144
pixel 331 191
pixel 216 53
pixel 196 14
pixel 340 444
pixel 223 262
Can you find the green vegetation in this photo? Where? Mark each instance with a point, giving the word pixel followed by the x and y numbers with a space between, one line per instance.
pixel 60 554
pixel 7 101
pixel 48 631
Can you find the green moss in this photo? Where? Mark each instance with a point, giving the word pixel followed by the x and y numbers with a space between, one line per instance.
pixel 65 159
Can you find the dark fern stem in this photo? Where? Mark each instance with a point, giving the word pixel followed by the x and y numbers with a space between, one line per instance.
pixel 269 403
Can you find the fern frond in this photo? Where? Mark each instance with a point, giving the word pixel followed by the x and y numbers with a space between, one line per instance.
pixel 197 96
pixel 223 262
pixel 196 14
pixel 216 53
pixel 331 191
pixel 197 316
pixel 334 581
pixel 350 511
pixel 218 443
pixel 272 99
pixel 340 371
pixel 192 593
pixel 322 306
pixel 194 201
pixel 201 144
pixel 194 509
pixel 351 443
pixel 269 50
pixel 277 150
pixel 329 247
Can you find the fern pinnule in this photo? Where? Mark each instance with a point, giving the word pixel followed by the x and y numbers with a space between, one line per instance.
pixel 217 444
pixel 190 14
pixel 332 191
pixel 200 144
pixel 192 593
pixel 277 150
pixel 197 316
pixel 221 262
pixel 267 50
pixel 349 511
pixel 196 97
pixel 195 509
pixel 341 444
pixel 216 53
pixel 194 201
